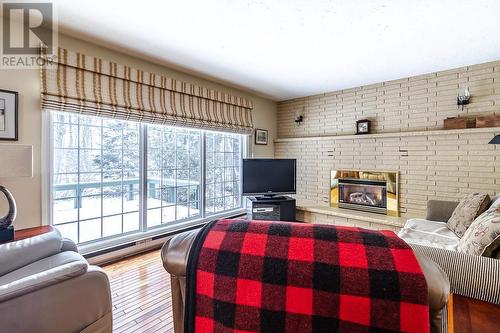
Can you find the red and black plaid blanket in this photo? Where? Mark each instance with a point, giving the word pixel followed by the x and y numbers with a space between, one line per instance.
pixel 256 276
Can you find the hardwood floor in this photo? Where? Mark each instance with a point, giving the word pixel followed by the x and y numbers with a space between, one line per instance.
pixel 140 289
pixel 474 316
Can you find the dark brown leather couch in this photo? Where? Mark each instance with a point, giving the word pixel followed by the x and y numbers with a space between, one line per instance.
pixel 175 254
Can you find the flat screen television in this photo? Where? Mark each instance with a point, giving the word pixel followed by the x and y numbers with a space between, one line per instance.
pixel 269 177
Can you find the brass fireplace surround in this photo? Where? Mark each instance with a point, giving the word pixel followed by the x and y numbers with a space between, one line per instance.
pixel 390 177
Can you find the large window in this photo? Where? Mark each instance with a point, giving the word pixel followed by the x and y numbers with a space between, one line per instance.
pixel 223 163
pixel 173 175
pixel 112 177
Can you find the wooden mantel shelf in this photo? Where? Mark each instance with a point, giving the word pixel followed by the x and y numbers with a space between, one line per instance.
pixel 392 135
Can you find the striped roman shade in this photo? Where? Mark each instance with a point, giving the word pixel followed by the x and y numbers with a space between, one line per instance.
pixel 92 86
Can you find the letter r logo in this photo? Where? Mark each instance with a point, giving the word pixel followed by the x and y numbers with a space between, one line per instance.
pixel 27 26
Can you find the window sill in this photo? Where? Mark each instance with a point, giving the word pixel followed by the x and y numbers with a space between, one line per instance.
pixel 103 245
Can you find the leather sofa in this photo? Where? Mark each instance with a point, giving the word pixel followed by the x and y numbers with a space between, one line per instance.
pixel 47 286
pixel 175 254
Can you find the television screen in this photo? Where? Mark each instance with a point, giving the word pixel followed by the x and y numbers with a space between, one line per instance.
pixel 268 176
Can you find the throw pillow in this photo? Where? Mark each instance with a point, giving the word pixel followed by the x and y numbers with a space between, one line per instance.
pixel 483 235
pixel 467 211
pixel 496 201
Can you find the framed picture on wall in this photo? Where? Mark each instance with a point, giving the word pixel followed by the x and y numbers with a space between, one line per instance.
pixel 261 137
pixel 8 115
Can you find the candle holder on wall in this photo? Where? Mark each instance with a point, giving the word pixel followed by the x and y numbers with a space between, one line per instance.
pixel 298 119
pixel 464 98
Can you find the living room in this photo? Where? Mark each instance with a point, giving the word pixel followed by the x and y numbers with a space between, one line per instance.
pixel 299 154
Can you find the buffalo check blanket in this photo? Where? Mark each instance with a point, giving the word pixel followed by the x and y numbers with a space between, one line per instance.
pixel 259 276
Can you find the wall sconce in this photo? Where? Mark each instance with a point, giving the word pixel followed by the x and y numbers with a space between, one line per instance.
pixel 464 98
pixel 298 118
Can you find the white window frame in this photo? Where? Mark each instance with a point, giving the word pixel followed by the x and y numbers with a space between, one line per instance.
pixel 143 233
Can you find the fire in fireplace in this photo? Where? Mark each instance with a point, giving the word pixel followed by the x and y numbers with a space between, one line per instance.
pixel 363 195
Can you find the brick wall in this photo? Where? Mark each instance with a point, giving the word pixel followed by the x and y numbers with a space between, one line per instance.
pixel 438 166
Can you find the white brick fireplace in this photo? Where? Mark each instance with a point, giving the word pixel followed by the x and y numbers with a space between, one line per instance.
pixel 407 117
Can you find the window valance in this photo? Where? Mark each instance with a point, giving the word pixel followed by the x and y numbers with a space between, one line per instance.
pixel 92 86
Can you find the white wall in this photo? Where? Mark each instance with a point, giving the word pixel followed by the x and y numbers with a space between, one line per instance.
pixel 28 191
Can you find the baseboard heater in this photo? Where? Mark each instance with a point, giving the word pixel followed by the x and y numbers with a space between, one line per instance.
pixel 106 256
pixel 121 251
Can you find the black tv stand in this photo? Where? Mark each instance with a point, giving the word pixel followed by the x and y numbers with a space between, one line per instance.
pixel 271 208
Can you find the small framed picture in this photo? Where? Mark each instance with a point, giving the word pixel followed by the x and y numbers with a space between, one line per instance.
pixel 261 137
pixel 8 115
pixel 363 126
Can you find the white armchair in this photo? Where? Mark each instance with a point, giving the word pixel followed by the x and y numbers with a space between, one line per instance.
pixel 47 286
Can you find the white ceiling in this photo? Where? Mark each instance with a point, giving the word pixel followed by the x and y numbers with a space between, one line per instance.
pixel 284 49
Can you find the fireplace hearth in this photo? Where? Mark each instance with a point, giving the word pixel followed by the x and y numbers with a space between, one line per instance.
pixel 370 191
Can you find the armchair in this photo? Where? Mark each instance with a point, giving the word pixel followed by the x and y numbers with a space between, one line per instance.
pixel 47 286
